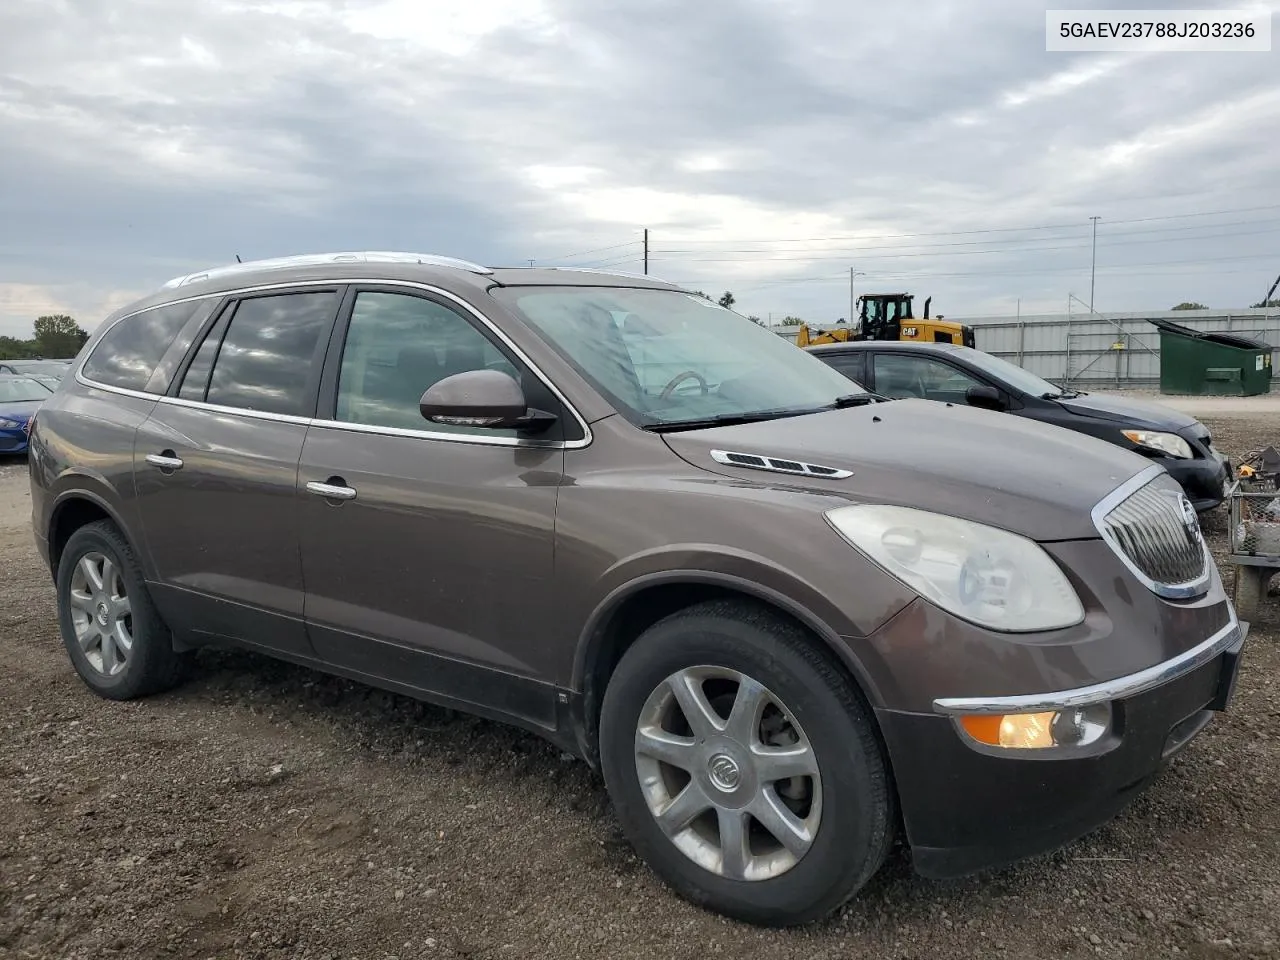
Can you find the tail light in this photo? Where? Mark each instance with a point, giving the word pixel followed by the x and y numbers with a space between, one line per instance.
pixel 29 425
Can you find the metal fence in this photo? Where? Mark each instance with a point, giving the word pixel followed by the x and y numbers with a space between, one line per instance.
pixel 1114 349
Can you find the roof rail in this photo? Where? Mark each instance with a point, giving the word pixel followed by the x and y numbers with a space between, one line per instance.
pixel 315 259
pixel 617 273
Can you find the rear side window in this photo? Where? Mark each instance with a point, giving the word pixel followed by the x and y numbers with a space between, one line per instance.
pixel 267 360
pixel 128 353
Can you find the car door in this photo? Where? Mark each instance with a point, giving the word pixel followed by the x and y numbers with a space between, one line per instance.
pixel 901 375
pixel 216 468
pixel 427 550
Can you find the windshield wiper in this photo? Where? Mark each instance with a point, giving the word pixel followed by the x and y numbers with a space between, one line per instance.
pixel 730 419
pixel 856 400
pixel 756 416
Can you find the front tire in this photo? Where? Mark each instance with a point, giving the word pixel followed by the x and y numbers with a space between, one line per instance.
pixel 744 767
pixel 114 635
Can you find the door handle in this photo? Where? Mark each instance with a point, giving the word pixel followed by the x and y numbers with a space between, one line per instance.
pixel 165 461
pixel 331 491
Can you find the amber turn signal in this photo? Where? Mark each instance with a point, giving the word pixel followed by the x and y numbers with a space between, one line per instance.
pixel 1038 731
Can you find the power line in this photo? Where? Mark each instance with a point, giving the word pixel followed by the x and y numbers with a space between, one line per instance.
pixel 887 276
pixel 991 243
pixel 1121 238
pixel 583 253
pixel 879 256
pixel 609 262
pixel 1082 270
pixel 958 233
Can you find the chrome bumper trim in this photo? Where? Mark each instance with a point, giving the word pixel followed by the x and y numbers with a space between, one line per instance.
pixel 1118 689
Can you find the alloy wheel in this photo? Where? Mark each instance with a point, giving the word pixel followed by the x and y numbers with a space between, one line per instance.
pixel 728 773
pixel 101 613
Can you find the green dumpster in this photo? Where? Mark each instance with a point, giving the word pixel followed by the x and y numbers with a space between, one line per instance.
pixel 1225 364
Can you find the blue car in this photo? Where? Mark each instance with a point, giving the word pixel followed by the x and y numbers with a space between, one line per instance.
pixel 20 397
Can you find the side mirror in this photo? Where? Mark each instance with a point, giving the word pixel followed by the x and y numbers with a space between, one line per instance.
pixel 983 396
pixel 481 398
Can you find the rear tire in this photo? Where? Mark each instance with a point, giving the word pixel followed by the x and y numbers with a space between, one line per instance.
pixel 789 750
pixel 114 635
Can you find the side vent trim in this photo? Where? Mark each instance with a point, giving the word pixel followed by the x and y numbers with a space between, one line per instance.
pixel 755 461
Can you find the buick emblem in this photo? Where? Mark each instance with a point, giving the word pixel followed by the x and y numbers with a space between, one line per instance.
pixel 724 772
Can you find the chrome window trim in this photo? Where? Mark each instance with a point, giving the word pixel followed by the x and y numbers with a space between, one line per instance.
pixel 1109 690
pixel 1170 591
pixel 341 424
pixel 441 435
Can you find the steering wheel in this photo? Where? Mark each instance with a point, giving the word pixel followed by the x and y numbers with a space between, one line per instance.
pixel 680 378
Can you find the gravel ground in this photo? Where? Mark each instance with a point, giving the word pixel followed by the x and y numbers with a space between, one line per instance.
pixel 268 811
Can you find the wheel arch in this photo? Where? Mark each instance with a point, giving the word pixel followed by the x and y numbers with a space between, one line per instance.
pixel 636 605
pixel 72 509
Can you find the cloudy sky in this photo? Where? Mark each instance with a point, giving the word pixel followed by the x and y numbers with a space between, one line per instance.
pixel 770 146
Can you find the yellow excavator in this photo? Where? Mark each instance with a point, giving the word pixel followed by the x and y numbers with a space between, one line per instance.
pixel 888 316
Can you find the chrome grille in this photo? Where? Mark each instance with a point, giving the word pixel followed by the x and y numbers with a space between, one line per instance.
pixel 1153 528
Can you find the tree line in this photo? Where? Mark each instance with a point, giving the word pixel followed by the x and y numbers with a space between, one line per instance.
pixel 1196 305
pixel 53 337
pixel 727 300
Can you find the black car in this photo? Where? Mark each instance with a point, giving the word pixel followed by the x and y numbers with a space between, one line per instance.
pixel 962 375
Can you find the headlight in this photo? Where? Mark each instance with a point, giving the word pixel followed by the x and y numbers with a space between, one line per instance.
pixel 1167 443
pixel 988 576
pixel 10 424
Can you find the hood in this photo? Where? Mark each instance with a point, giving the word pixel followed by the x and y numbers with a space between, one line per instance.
pixel 1136 413
pixel 1027 477
pixel 21 410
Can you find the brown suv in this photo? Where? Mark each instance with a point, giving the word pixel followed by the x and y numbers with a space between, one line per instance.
pixel 787 623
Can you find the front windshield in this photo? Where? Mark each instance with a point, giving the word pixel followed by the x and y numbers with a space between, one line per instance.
pixel 47 368
pixel 664 356
pixel 1012 374
pixel 22 389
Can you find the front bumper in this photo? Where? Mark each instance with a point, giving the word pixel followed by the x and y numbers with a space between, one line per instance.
pixel 13 442
pixel 969 808
pixel 1204 479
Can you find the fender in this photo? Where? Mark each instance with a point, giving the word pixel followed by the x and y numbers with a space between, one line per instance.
pixel 741 572
pixel 83 485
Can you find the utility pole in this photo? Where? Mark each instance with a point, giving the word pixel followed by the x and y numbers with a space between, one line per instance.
pixel 853 303
pixel 646 251
pixel 1093 265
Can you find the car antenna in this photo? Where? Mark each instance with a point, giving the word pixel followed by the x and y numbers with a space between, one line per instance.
pixel 238 260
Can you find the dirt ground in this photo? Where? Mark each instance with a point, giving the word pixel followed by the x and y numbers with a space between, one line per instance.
pixel 268 811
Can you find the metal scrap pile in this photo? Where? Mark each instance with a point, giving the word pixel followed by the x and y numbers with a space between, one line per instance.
pixel 1255 505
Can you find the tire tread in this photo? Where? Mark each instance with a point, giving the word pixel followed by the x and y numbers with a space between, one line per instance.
pixel 158 667
pixel 790 640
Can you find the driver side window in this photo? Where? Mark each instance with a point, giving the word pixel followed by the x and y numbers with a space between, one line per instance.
pixel 899 376
pixel 396 347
